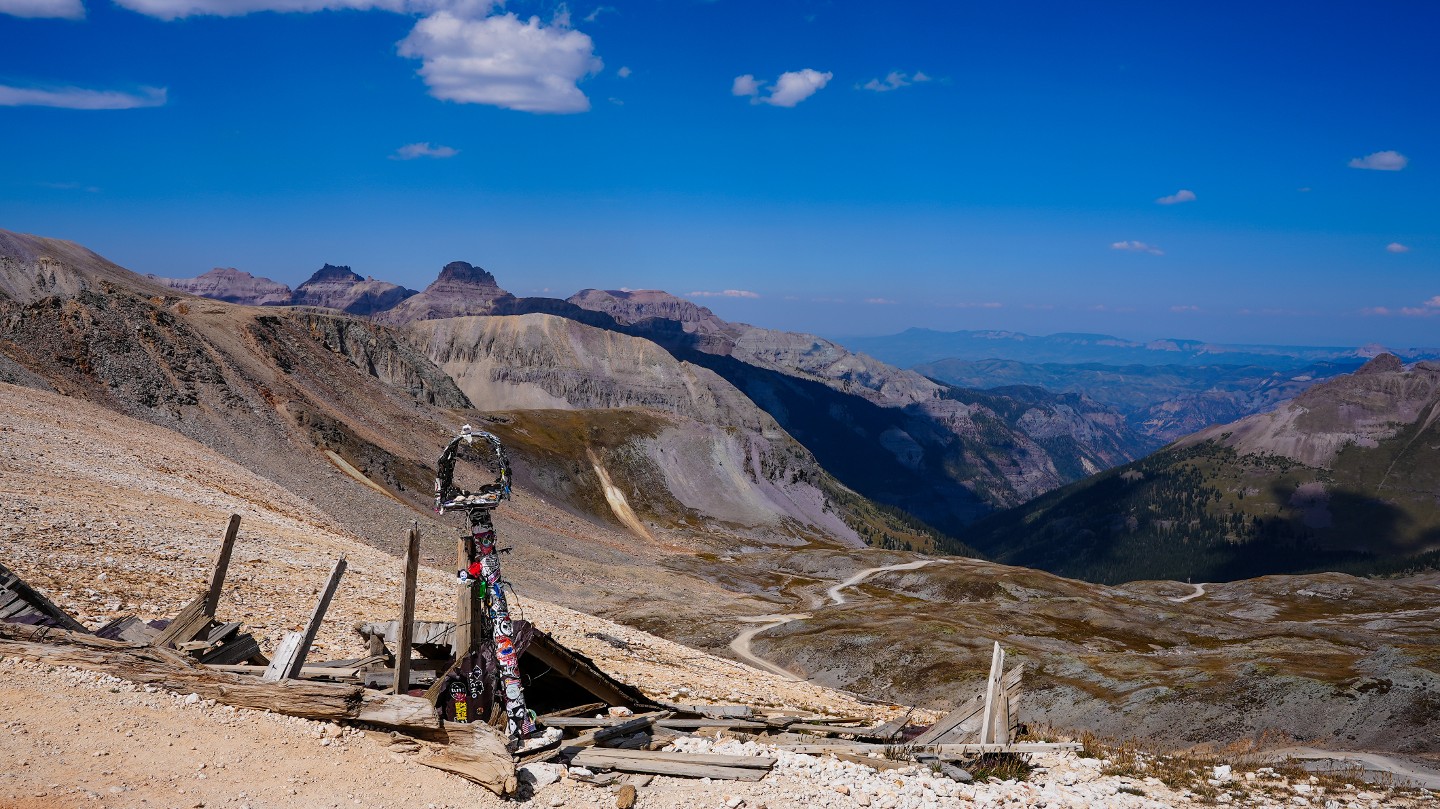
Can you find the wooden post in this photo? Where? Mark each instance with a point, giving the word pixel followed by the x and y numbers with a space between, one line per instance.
pixel 284 660
pixel 467 604
pixel 316 617
pixel 992 685
pixel 222 563
pixel 407 612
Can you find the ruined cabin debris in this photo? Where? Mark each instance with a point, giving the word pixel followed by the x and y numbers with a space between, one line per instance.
pixel 609 727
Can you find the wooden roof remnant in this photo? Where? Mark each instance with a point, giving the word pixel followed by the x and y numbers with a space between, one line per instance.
pixel 22 604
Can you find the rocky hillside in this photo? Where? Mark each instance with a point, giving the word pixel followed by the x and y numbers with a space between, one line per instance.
pixel 1346 476
pixel 891 435
pixel 341 288
pixel 232 286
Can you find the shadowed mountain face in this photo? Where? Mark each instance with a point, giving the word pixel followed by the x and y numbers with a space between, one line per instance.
pixel 461 289
pixel 335 287
pixel 1344 477
pixel 232 286
pixel 1160 402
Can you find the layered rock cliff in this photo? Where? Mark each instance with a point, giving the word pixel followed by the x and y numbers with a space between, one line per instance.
pixel 232 286
pixel 341 288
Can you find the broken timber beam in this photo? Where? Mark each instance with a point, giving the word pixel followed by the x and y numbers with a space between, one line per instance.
pixel 316 617
pixel 689 765
pixel 961 720
pixel 407 611
pixel 616 731
pixel 222 563
pixel 939 750
pixel 174 671
pixel 476 752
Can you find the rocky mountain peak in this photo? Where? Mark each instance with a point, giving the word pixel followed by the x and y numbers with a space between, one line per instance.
pixel 463 272
pixel 333 273
pixel 232 285
pixel 633 305
pixel 1382 364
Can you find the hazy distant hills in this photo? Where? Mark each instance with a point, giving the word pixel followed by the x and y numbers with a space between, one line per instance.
pixel 1160 402
pixel 915 346
pixel 1346 476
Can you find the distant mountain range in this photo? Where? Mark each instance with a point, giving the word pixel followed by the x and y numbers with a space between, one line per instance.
pixel 1160 402
pixel 1346 476
pixel 943 454
pixel 916 346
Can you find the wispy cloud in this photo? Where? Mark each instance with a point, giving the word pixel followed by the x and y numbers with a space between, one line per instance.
pixel 1137 247
pixel 64 9
pixel 1429 308
pixel 71 187
pixel 881 301
pixel 1389 160
pixel 80 98
pixel 624 72
pixel 410 151
pixel 975 305
pixel 595 15
pixel 787 91
pixel 1185 308
pixel 725 293
pixel 175 9
pixel 1396 247
pixel 1183 195
pixel 893 80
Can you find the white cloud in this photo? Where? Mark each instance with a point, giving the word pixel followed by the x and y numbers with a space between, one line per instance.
pixel 66 9
pixel 595 15
pixel 624 72
pixel 1396 247
pixel 79 98
pixel 796 86
pixel 894 80
pixel 787 91
pixel 410 151
pixel 745 85
pixel 1185 308
pixel 1138 247
pixel 1435 302
pixel 881 301
pixel 1183 195
pixel 728 293
pixel 1375 310
pixel 501 61
pixel 1388 160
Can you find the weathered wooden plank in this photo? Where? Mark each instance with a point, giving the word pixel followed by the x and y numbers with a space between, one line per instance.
pixel 407 611
pixel 308 671
pixel 128 628
pixel 674 768
pixel 468 606
pixel 992 688
pixel 189 622
pixel 578 710
pixel 888 731
pixel 712 711
pixel 880 764
pixel 170 670
pixel 222 564
pixel 964 719
pixel 476 752
pixel 283 663
pixel 828 730
pixel 38 601
pixel 313 626
pixel 717 759
pixel 236 650
pixel 396 709
pixel 616 731
pixel 696 724
pixel 940 750
pixel 580 671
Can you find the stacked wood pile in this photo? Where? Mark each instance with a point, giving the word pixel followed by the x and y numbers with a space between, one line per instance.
pixel 616 731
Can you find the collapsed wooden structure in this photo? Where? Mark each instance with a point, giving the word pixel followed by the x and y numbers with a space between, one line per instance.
pixel 609 727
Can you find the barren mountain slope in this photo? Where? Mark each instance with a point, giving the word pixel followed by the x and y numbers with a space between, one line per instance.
pixel 340 288
pixel 232 286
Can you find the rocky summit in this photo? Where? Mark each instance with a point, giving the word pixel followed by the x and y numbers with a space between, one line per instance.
pixel 233 286
pixel 341 288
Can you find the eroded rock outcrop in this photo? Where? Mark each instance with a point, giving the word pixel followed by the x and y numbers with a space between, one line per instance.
pixel 338 287
pixel 232 286
pixel 461 289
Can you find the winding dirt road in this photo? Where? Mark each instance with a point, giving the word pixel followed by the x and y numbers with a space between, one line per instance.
pixel 741 645
pixel 1402 770
pixel 1199 591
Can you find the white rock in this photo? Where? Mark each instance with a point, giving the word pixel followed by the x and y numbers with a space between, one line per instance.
pixel 540 775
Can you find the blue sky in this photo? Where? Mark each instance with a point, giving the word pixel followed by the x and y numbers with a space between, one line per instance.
pixel 839 167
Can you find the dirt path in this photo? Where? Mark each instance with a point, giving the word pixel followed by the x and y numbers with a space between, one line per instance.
pixel 1404 771
pixel 741 645
pixel 1199 591
pixel 835 596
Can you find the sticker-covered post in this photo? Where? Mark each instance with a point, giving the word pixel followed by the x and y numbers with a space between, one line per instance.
pixel 479 577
